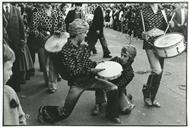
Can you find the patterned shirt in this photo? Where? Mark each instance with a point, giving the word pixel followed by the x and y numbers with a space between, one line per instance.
pixel 75 60
pixel 127 74
pixel 42 23
pixel 152 20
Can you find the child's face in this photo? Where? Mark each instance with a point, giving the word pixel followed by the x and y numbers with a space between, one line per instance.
pixel 7 71
pixel 124 58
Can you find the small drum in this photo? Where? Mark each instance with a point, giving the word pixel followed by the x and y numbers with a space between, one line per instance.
pixel 170 45
pixel 55 43
pixel 112 70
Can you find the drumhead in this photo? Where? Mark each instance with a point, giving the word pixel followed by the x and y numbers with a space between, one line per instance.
pixel 111 69
pixel 168 40
pixel 55 43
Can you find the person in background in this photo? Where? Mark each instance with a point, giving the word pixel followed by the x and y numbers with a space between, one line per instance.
pixel 12 109
pixel 17 41
pixel 96 32
pixel 74 14
pixel 46 22
pixel 63 9
pixel 180 20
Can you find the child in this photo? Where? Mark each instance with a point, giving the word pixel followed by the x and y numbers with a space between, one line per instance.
pixel 13 113
pixel 120 100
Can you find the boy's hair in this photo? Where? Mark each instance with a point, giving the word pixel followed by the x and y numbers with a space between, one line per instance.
pixel 8 54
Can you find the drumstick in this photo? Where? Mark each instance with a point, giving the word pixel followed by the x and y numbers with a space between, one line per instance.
pixel 143 21
pixel 169 23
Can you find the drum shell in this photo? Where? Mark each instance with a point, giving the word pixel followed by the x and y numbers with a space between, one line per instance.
pixel 110 78
pixel 171 51
pixel 114 70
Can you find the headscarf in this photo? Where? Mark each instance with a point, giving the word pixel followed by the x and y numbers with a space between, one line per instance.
pixel 78 26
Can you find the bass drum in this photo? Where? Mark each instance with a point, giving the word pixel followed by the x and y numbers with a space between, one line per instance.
pixel 170 45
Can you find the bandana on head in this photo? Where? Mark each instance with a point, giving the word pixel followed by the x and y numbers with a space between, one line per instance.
pixel 78 26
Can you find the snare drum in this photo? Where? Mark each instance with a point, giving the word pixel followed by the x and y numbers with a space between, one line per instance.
pixel 170 45
pixel 112 70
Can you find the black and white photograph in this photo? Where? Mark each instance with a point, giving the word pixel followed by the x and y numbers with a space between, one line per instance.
pixel 94 63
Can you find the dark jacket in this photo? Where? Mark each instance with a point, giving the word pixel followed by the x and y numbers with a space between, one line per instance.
pixel 71 16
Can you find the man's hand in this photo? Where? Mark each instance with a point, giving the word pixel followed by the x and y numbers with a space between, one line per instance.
pixel 145 36
pixel 95 70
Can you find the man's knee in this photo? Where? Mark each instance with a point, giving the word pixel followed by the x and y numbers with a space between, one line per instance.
pixel 157 71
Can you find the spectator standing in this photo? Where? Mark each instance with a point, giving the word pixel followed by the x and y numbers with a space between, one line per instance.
pixel 46 22
pixel 96 32
pixel 17 42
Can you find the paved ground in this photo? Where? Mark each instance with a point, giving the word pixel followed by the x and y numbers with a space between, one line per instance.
pixel 172 92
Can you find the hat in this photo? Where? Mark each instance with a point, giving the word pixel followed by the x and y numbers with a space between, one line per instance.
pixel 55 43
pixel 130 50
pixel 78 26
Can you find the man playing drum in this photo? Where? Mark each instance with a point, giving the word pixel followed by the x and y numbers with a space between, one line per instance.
pixel 74 65
pixel 118 101
pixel 152 17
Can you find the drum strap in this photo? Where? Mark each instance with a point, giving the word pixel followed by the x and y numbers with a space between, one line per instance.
pixel 164 15
pixel 182 16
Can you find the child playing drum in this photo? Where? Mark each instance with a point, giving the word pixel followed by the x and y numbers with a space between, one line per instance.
pixel 119 100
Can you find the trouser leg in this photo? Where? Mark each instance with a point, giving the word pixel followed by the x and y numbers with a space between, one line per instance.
pixel 146 89
pixel 123 99
pixel 42 61
pixel 104 45
pixel 71 100
pixel 154 79
pixel 52 73
pixel 99 96
pixel 100 87
pixel 155 86
pixel 56 113
pixel 112 109
pixel 92 40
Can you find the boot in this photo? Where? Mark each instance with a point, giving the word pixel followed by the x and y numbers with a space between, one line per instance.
pixel 97 109
pixel 146 94
pixel 112 108
pixel 155 86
